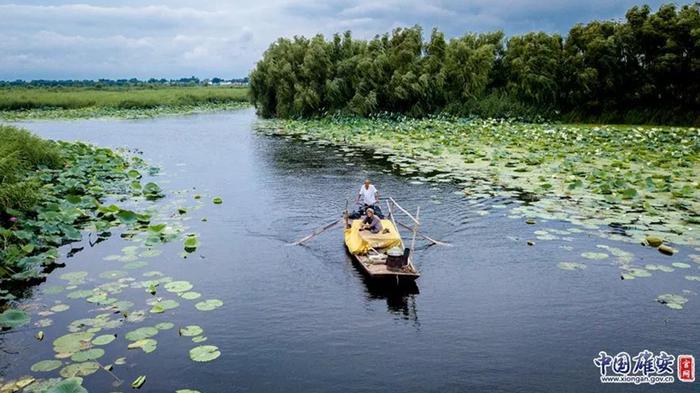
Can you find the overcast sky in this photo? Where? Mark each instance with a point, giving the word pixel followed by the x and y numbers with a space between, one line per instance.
pixel 206 38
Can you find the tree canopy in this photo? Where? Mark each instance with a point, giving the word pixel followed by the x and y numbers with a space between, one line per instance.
pixel 644 69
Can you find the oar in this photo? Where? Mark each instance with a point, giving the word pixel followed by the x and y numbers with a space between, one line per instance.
pixel 428 238
pixel 315 233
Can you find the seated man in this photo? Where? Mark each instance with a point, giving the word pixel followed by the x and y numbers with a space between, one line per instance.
pixel 371 222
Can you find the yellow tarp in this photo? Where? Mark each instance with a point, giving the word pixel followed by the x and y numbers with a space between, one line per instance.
pixel 359 242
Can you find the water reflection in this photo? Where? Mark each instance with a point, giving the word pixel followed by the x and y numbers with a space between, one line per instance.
pixel 400 297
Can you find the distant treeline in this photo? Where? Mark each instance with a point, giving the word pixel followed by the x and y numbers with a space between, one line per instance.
pixel 645 69
pixel 133 82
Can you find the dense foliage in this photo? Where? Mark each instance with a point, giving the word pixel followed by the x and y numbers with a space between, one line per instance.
pixel 643 69
pixel 50 191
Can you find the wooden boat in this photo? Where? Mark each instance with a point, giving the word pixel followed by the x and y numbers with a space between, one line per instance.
pixel 371 252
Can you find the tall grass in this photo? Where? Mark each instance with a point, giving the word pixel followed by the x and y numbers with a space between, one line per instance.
pixel 23 98
pixel 21 153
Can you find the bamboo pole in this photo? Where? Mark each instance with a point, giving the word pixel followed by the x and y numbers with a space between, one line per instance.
pixel 315 233
pixel 428 238
pixel 391 215
pixel 415 220
pixel 415 230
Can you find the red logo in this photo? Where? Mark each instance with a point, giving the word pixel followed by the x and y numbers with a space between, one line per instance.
pixel 686 368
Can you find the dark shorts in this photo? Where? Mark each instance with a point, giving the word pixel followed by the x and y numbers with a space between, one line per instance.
pixel 361 212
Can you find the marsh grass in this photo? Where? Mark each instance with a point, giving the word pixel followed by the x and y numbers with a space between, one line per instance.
pixel 21 153
pixel 18 99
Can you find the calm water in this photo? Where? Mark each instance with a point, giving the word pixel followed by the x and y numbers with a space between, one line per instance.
pixel 490 313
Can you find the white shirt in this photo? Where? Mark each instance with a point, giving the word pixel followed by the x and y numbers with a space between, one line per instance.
pixel 368 194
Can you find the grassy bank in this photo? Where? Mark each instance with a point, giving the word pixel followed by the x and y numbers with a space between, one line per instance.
pixel 64 102
pixel 51 191
pixel 642 179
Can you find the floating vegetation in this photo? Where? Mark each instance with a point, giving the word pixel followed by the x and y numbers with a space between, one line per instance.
pixel 571 266
pixel 13 318
pixel 672 301
pixel 104 339
pixel 641 178
pixel 138 382
pixel 217 200
pixel 46 365
pixel 191 243
pixel 209 305
pixel 595 255
pixel 178 286
pixel 191 330
pixel 680 265
pixel 204 353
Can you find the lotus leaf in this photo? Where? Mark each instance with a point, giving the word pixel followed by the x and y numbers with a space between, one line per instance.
pixel 571 266
pixel 191 330
pixel 204 353
pixel 104 339
pixel 178 286
pixel 79 369
pixel 141 333
pixel 13 318
pixel 70 385
pixel 46 365
pixel 594 255
pixel 208 305
pixel 89 354
pixel 147 345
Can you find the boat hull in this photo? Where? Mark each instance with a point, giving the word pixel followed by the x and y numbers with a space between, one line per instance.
pixel 380 273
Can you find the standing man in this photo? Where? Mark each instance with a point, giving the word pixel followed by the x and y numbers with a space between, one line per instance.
pixel 369 198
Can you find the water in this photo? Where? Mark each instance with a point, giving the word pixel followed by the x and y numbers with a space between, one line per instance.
pixel 489 314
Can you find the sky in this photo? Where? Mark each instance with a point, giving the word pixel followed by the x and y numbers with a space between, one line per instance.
pixel 208 38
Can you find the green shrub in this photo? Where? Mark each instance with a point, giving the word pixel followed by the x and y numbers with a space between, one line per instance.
pixel 21 153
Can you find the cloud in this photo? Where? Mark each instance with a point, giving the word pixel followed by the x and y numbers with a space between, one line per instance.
pixel 137 38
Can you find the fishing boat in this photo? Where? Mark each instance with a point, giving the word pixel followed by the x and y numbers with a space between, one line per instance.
pixel 384 255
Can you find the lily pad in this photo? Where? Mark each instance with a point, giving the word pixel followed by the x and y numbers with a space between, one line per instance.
pixel 72 342
pixel 190 295
pixel 70 385
pixel 104 339
pixel 113 274
pixel 141 333
pixel 147 345
pixel 191 243
pixel 204 353
pixel 191 330
pixel 217 200
pixel 594 255
pixel 46 365
pixel 165 326
pixel 654 241
pixel 79 369
pixel 667 250
pixel 60 307
pixel 13 318
pixel 90 354
pixel 163 305
pixel 178 286
pixel 208 305
pixel 680 265
pixel 571 266
pixel 672 301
